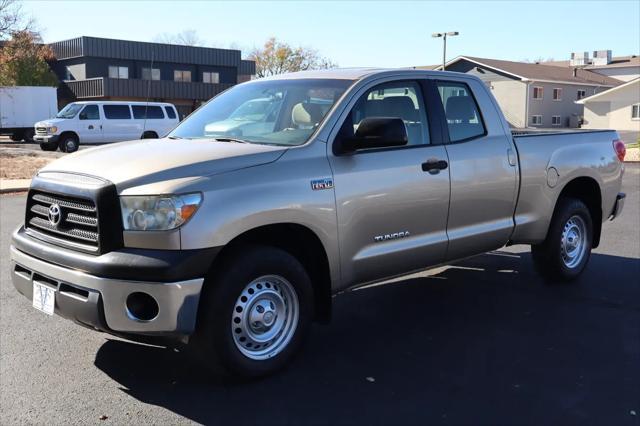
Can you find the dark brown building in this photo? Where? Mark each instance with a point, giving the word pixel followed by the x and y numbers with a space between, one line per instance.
pixel 107 69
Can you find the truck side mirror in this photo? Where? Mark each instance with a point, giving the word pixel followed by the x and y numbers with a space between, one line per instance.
pixel 376 132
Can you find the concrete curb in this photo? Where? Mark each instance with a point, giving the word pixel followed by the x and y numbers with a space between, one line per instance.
pixel 14 185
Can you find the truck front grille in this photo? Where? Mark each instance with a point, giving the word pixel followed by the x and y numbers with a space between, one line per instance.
pixel 41 130
pixel 66 220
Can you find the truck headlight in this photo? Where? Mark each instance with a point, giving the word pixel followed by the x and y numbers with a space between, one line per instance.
pixel 53 129
pixel 158 212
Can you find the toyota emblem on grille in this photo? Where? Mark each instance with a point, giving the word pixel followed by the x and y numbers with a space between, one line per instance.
pixel 54 214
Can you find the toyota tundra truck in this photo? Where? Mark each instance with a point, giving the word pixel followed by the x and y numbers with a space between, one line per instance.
pixel 231 240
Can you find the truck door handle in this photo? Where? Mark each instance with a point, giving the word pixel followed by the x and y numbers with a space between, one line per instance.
pixel 91 127
pixel 433 166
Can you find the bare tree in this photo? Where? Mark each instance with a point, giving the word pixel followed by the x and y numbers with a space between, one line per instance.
pixel 277 57
pixel 538 60
pixel 12 19
pixel 183 38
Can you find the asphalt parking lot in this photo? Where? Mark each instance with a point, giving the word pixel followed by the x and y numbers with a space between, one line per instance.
pixel 485 341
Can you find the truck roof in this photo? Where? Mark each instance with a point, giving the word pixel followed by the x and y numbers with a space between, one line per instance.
pixel 355 73
pixel 122 102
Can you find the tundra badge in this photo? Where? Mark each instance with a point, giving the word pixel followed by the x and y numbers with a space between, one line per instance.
pixel 394 236
pixel 318 184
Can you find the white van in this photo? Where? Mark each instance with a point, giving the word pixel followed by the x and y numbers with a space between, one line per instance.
pixel 93 122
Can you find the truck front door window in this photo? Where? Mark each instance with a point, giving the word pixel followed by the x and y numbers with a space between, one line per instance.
pixel 397 100
pixel 90 112
pixel 461 111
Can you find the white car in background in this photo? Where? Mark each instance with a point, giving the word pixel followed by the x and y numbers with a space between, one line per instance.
pixel 94 122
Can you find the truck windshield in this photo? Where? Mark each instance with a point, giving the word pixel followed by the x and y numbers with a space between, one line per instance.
pixel 275 112
pixel 69 111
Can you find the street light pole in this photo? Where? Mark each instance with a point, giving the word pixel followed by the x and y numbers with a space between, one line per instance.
pixel 444 45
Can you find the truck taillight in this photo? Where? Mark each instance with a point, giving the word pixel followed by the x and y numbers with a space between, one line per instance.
pixel 620 149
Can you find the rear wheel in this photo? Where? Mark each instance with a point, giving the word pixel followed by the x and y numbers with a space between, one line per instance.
pixel 149 135
pixel 564 254
pixel 16 137
pixel 69 143
pixel 254 313
pixel 28 135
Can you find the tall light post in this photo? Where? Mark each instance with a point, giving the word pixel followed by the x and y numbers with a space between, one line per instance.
pixel 444 39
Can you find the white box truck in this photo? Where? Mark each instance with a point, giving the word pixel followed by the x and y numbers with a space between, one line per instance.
pixel 22 106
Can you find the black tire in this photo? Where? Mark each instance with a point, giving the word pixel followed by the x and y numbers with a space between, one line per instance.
pixel 16 137
pixel 214 342
pixel 28 135
pixel 550 259
pixel 149 135
pixel 69 143
pixel 48 146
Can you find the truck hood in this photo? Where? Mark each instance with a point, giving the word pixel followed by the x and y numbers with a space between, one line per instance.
pixel 147 161
pixel 49 122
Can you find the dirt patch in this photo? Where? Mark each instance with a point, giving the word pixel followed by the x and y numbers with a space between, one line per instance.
pixel 20 164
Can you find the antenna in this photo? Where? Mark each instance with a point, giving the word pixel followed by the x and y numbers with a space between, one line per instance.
pixel 146 107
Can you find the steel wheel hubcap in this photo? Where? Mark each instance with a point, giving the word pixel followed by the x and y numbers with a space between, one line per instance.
pixel 573 244
pixel 265 317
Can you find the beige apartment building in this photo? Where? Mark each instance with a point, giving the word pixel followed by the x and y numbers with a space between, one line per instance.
pixel 535 95
pixel 617 108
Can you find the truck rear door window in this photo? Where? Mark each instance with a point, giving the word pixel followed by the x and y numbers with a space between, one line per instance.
pixel 141 112
pixel 461 111
pixel 117 112
pixel 170 112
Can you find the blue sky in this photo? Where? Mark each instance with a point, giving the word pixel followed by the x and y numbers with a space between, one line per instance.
pixel 380 33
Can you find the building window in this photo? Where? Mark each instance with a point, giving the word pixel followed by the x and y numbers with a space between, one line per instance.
pixel 557 94
pixel 582 94
pixel 180 75
pixel 538 92
pixel 536 120
pixel 635 112
pixel 211 77
pixel 151 73
pixel 118 72
pixel 556 120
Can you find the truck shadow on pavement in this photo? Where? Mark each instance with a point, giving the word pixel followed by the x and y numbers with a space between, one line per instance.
pixel 484 341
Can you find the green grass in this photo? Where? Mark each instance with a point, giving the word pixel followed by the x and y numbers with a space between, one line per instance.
pixel 633 145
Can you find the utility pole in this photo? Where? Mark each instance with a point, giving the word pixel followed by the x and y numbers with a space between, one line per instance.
pixel 444 47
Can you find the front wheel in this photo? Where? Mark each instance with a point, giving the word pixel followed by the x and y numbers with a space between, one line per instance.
pixel 564 254
pixel 69 143
pixel 254 312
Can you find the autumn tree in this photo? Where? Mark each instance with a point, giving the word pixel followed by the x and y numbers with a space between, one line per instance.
pixel 277 57
pixel 23 61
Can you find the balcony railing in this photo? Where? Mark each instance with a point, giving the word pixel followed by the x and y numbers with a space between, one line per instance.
pixel 153 89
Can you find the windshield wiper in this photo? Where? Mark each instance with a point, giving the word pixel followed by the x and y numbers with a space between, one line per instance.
pixel 231 140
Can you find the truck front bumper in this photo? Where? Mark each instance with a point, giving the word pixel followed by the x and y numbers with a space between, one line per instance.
pixel 103 299
pixel 46 138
